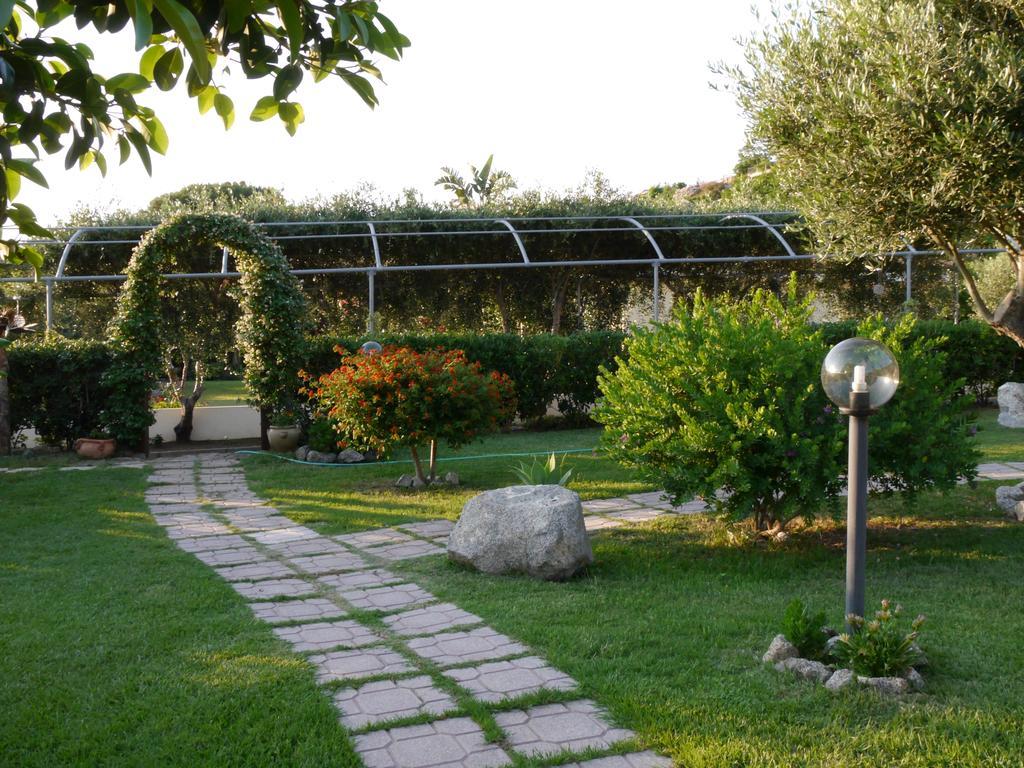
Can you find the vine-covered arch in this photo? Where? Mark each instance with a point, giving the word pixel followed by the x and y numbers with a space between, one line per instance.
pixel 270 331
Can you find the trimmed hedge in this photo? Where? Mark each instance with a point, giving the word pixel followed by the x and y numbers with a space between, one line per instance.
pixel 974 352
pixel 56 387
pixel 544 367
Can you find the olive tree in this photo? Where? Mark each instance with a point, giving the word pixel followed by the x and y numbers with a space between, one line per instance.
pixel 895 122
pixel 52 100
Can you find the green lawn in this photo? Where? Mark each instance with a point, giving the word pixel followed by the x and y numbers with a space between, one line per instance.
pixel 116 648
pixel 223 392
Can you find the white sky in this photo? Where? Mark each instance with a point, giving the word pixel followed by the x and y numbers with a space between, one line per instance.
pixel 551 87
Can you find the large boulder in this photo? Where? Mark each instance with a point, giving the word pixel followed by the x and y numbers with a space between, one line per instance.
pixel 536 530
pixel 1008 496
pixel 1011 404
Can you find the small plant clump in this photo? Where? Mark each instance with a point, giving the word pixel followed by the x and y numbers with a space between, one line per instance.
pixel 805 630
pixel 880 647
pixel 550 472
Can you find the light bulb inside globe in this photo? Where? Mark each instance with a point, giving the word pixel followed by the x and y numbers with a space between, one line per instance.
pixel 860 365
pixel 370 348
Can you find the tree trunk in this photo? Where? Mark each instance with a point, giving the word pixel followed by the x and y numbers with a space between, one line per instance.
pixel 264 423
pixel 5 405
pixel 433 460
pixel 1008 319
pixel 503 310
pixel 558 303
pixel 417 464
pixel 183 429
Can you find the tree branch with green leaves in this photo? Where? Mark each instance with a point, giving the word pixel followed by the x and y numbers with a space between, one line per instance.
pixel 53 101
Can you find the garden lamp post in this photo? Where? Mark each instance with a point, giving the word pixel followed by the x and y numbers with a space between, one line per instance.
pixel 860 376
pixel 370 348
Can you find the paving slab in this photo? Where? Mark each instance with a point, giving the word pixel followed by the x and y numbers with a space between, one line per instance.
pixel 305 547
pixel 608 505
pixel 297 610
pixel 649 497
pixel 502 680
pixel 266 569
pixel 375 577
pixel 632 760
pixel 170 498
pixel 294 533
pixel 171 477
pixel 408 551
pixel 430 529
pixel 594 523
pixel 374 538
pixel 385 700
pixel 212 543
pixel 450 648
pixel 324 635
pixel 359 663
pixel 158 510
pixel 554 728
pixel 195 530
pixel 433 618
pixel 329 563
pixel 454 743
pixel 220 557
pixel 386 598
pixel 643 515
pixel 272 588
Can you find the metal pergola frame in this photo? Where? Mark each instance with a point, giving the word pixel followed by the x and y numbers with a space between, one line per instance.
pixel 512 226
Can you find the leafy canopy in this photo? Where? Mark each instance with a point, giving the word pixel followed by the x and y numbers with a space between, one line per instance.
pixel 898 121
pixel 53 101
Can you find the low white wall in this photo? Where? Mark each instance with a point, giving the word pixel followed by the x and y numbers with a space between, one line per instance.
pixel 215 422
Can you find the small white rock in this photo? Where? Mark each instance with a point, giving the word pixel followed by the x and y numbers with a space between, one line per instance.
pixel 914 679
pixel 779 650
pixel 841 678
pixel 891 686
pixel 806 669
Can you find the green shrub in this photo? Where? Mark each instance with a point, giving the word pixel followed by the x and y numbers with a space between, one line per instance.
pixel 880 647
pixel 805 630
pixel 726 397
pixel 57 387
pixel 403 398
pixel 322 436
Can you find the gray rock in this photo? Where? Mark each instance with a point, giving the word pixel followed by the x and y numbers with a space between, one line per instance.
pixel 1018 512
pixel 890 686
pixel 301 452
pixel 780 649
pixel 914 679
pixel 321 458
pixel 348 456
pixel 831 643
pixel 405 481
pixel 1007 497
pixel 417 483
pixel 805 668
pixel 1011 404
pixel 536 530
pixel 841 678
pixel 452 478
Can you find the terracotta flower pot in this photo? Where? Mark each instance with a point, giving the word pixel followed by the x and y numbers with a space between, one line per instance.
pixel 94 448
pixel 283 439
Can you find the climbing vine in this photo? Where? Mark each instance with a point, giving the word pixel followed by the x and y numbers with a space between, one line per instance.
pixel 269 333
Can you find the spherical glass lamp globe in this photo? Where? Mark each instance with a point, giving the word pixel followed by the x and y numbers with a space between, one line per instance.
pixel 370 348
pixel 860 365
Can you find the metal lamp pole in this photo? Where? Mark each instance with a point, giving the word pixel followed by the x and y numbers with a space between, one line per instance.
pixel 857 500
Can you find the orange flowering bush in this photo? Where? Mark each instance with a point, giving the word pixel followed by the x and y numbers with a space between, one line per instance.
pixel 403 398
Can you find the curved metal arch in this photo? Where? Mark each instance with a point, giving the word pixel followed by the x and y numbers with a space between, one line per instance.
pixel 643 229
pixel 518 239
pixel 770 227
pixel 67 250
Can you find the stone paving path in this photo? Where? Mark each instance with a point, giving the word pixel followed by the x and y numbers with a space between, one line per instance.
pixel 416 680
